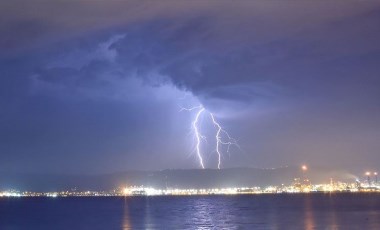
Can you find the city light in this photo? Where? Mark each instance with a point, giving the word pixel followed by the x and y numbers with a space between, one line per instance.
pixel 297 185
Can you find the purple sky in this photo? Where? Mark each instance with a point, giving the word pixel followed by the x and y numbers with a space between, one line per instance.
pixel 97 86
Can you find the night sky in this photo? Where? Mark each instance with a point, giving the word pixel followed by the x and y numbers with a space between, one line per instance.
pixel 97 86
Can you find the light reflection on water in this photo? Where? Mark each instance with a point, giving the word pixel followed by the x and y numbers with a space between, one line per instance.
pixel 202 214
pixel 148 220
pixel 126 217
pixel 332 216
pixel 309 218
pixel 310 211
pixel 271 211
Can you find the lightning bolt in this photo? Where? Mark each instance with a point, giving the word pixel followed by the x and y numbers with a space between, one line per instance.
pixel 218 136
pixel 220 132
pixel 198 136
pixel 191 109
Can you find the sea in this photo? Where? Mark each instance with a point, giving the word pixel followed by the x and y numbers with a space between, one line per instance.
pixel 261 211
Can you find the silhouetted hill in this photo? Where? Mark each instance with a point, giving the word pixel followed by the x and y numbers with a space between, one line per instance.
pixel 170 178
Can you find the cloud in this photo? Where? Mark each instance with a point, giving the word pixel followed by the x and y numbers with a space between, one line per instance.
pixel 112 73
pixel 195 53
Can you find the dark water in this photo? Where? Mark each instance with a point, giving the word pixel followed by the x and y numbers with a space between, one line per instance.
pixel 285 211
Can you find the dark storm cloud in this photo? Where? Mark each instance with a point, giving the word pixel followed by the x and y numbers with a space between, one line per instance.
pixel 90 76
pixel 195 53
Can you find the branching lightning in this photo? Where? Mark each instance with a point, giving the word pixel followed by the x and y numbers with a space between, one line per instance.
pixel 198 136
pixel 218 136
pixel 191 109
pixel 220 132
